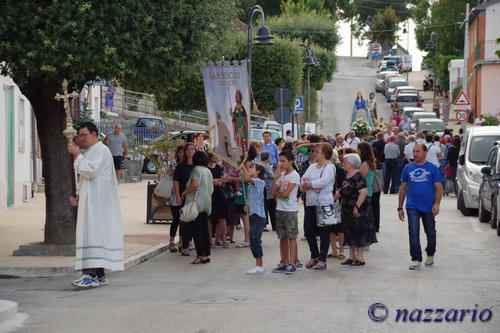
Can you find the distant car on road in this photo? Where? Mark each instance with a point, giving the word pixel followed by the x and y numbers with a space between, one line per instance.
pixel 391 86
pixel 431 125
pixel 405 101
pixel 489 190
pixel 256 133
pixel 410 110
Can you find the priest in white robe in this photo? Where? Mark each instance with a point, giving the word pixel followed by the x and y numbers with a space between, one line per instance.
pixel 99 235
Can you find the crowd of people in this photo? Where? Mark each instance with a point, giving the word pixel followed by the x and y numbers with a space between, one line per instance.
pixel 264 194
pixel 338 180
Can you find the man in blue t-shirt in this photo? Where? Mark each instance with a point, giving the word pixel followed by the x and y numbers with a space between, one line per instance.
pixel 271 147
pixel 421 185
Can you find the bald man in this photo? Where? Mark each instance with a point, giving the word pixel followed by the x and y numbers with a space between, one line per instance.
pixel 118 145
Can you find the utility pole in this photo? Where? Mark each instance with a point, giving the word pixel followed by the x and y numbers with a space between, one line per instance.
pixel 466 54
pixel 350 29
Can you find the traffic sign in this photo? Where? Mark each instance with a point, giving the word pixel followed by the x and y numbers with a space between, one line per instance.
pixel 282 115
pixel 299 105
pixel 462 115
pixel 282 96
pixel 462 99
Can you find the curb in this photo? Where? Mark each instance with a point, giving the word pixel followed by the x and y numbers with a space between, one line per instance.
pixel 132 261
pixel 8 310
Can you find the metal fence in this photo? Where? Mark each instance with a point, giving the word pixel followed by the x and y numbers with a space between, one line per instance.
pixel 128 102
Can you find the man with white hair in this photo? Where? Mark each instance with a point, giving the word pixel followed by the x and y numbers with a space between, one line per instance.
pixel 353 140
pixel 339 139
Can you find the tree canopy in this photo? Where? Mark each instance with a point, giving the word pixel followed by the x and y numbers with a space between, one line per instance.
pixel 384 27
pixel 147 45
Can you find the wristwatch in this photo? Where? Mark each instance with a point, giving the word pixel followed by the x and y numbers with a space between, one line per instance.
pixel 400 209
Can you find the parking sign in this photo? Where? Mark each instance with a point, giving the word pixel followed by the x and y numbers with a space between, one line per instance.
pixel 299 105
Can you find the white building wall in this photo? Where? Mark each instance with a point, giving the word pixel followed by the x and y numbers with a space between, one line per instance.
pixel 22 142
pixel 455 69
pixel 492 30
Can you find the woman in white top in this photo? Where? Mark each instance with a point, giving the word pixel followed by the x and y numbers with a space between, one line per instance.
pixel 318 183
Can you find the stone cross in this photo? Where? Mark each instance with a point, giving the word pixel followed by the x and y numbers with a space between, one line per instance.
pixel 69 132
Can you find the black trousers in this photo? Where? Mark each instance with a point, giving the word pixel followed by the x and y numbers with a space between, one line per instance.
pixel 375 205
pixel 311 230
pixel 391 175
pixel 176 214
pixel 201 236
pixel 99 272
pixel 186 230
pixel 271 212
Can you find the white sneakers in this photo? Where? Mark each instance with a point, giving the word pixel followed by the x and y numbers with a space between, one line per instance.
pixel 256 270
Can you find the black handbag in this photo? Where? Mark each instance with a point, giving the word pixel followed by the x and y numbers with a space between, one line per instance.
pixel 226 192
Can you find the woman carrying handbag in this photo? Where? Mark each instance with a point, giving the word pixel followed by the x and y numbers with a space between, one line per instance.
pixel 318 182
pixel 198 195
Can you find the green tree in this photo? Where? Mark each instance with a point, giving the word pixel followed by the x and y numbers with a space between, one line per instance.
pixel 307 27
pixel 327 66
pixel 276 66
pixel 147 45
pixel 384 27
pixel 443 76
pixel 445 14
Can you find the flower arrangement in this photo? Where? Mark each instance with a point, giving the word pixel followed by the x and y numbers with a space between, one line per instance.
pixel 361 128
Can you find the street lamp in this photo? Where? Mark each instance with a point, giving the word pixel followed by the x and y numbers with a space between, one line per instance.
pixel 309 61
pixel 264 36
pixel 432 44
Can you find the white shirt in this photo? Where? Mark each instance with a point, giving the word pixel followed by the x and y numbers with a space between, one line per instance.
pixel 353 142
pixel 479 121
pixel 288 204
pixel 421 141
pixel 342 145
pixel 289 138
pixel 409 150
pixel 323 178
pixel 432 154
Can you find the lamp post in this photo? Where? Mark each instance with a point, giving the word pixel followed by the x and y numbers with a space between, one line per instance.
pixel 406 30
pixel 309 61
pixel 264 36
pixel 432 44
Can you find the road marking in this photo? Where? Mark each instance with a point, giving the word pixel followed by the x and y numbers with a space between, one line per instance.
pixel 474 225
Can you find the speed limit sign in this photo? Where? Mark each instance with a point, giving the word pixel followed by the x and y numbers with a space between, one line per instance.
pixel 462 115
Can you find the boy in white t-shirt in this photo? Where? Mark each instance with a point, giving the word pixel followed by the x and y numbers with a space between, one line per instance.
pixel 285 191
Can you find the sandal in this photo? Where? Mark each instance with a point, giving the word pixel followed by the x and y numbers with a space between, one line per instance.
pixel 358 263
pixel 331 255
pixel 341 256
pixel 298 264
pixel 311 263
pixel 172 247
pixel 197 261
pixel 205 260
pixel 347 262
pixel 242 244
pixel 225 245
pixel 320 266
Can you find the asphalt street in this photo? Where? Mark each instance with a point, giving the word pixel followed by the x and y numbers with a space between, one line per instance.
pixel 167 294
pixel 337 97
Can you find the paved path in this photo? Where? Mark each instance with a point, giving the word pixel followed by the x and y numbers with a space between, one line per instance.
pixel 167 294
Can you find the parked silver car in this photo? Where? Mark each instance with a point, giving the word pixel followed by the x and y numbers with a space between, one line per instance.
pixel 405 101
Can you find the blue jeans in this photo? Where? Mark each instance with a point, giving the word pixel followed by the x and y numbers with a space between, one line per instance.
pixel 442 171
pixel 257 224
pixel 400 165
pixel 414 232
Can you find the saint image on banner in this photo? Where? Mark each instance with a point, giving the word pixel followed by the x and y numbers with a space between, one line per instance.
pixel 240 123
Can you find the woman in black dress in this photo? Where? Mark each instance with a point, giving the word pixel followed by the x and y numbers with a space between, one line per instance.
pixel 354 210
pixel 337 230
pixel 219 205
pixel 181 176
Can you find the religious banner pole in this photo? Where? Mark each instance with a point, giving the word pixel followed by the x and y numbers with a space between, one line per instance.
pixel 69 132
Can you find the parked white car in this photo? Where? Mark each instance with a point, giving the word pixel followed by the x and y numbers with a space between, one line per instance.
pixel 476 145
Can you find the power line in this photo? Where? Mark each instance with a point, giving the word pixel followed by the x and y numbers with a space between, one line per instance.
pixel 380 9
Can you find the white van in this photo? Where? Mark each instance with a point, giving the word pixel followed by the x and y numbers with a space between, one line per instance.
pixel 476 145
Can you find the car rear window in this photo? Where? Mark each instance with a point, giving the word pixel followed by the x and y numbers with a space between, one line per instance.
pixel 431 126
pixel 397 83
pixel 407 99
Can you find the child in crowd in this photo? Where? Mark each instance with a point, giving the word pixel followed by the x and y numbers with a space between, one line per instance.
pixel 285 191
pixel 268 178
pixel 254 176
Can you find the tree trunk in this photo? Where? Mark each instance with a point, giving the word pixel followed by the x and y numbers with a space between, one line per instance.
pixel 50 118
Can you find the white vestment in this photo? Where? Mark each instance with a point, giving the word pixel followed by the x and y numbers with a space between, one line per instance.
pixel 99 235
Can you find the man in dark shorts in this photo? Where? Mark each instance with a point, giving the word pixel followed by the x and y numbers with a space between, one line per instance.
pixel 117 144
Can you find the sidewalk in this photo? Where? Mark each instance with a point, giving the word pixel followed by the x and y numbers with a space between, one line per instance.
pixel 25 224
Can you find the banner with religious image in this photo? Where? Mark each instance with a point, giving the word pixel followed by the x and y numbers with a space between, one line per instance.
pixel 227 97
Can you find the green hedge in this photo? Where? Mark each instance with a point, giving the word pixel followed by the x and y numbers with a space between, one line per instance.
pixel 307 27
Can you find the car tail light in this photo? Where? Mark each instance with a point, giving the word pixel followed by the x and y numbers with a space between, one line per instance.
pixel 419 105
pixel 395 105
